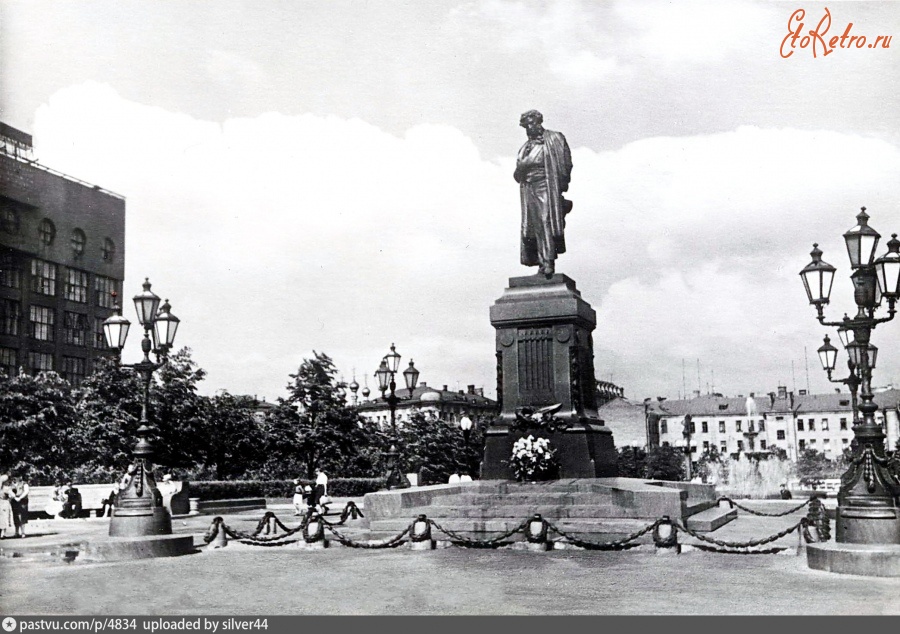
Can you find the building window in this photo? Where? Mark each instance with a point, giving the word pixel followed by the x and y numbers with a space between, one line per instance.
pixel 845 441
pixel 694 449
pixel 705 446
pixel 9 219
pixel 762 425
pixel 802 444
pixel 47 231
pixel 8 361
pixel 41 323
pixel 799 425
pixel 78 241
pixel 737 425
pixel 704 427
pixel 723 407
pixel 740 445
pixel 73 370
pixel 693 427
pixel 108 250
pixel 762 445
pixel 724 446
pixel 10 273
pixel 721 426
pixel 844 424
pixel 40 361
pixel 824 424
pixel 750 426
pixel 812 425
pixel 75 329
pixel 665 444
pixel 105 288
pixel 779 418
pixel 779 434
pixel 43 277
pixel 76 286
pixel 827 441
pixel 99 338
pixel 10 315
pixel 663 427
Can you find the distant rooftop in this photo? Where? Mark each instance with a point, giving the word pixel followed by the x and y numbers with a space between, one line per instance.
pixel 17 145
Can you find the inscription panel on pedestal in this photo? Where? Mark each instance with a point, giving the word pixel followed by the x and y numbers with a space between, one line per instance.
pixel 535 366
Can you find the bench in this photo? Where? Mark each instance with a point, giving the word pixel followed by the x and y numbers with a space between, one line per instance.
pixel 92 496
pixel 174 494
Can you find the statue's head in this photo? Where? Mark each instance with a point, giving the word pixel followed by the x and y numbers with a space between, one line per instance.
pixel 532 121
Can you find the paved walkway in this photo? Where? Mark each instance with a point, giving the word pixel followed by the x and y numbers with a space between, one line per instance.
pixel 289 580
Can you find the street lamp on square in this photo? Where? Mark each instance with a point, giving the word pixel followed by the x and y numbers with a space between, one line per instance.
pixel 386 375
pixel 139 509
pixel 869 498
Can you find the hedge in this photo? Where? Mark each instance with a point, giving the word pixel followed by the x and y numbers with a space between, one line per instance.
pixel 234 489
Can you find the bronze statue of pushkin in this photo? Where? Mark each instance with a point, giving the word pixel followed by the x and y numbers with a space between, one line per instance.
pixel 543 170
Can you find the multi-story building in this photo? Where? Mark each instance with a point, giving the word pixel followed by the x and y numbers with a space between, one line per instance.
pixel 438 404
pixel 62 256
pixel 823 422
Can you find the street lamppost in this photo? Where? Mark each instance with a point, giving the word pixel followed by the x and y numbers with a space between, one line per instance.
pixel 868 503
pixel 386 374
pixel 465 424
pixel 139 509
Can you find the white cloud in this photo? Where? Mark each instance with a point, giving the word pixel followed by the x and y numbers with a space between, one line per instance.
pixel 277 235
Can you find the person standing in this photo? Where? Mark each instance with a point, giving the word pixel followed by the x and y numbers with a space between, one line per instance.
pixel 321 491
pixel 19 501
pixel 7 521
pixel 299 499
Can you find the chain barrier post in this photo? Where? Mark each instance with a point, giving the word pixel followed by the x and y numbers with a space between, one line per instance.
pixel 314 533
pixel 215 534
pixel 536 534
pixel 665 537
pixel 420 534
pixel 817 515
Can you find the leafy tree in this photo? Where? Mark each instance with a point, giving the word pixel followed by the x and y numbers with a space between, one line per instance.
pixel 108 411
pixel 36 413
pixel 708 462
pixel 632 462
pixel 436 449
pixel 313 427
pixel 813 467
pixel 179 413
pixel 234 439
pixel 665 463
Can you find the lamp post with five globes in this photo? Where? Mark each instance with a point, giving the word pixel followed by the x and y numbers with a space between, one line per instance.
pixel 869 498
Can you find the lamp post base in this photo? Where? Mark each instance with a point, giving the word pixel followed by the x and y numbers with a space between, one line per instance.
pixel 140 522
pixel 867 525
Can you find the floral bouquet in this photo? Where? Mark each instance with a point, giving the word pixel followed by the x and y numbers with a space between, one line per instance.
pixel 533 459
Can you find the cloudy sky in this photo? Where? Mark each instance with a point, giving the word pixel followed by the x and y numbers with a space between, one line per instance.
pixel 337 176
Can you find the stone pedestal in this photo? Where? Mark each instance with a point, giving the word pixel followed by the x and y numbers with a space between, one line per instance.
pixel 545 356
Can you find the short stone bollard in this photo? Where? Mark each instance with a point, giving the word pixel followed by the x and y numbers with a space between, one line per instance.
pixel 219 539
pixel 536 534
pixel 420 534
pixel 193 506
pixel 665 537
pixel 314 534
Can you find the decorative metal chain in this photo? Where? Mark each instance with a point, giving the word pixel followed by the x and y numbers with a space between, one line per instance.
pixel 745 551
pixel 351 511
pixel 748 544
pixel 619 544
pixel 462 540
pixel 346 541
pixel 817 518
pixel 761 513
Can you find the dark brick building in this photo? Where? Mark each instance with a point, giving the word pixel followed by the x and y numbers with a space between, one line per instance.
pixel 62 254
